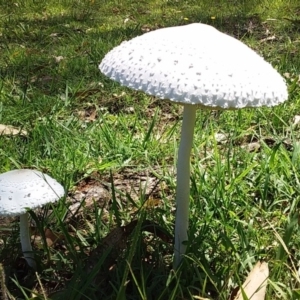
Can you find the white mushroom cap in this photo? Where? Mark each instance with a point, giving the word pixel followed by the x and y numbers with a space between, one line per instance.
pixel 196 64
pixel 22 189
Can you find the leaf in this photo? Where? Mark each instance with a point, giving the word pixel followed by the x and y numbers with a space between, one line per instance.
pixel 255 284
pixel 10 130
pixel 52 237
pixel 58 59
pixel 252 147
pixel 296 120
pixel 221 138
pixel 152 202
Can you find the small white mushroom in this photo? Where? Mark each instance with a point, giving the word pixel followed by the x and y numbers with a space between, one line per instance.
pixel 25 189
pixel 196 66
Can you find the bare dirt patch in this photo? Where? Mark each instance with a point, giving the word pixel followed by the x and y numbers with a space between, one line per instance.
pixel 97 189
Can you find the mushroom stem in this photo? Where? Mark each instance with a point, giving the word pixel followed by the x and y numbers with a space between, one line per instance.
pixel 183 182
pixel 25 241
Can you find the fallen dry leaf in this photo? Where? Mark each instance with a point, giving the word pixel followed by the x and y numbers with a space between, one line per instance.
pixel 296 120
pixel 255 285
pixel 88 115
pixel 251 147
pixel 152 202
pixel 58 58
pixel 51 237
pixel 10 130
pixel 221 138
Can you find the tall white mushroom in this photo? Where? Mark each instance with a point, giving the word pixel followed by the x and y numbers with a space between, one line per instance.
pixel 196 66
pixel 26 189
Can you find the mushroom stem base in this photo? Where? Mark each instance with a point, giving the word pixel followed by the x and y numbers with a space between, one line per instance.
pixel 183 182
pixel 25 241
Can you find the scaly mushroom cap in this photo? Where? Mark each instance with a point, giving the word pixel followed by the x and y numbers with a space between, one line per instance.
pixel 21 189
pixel 196 64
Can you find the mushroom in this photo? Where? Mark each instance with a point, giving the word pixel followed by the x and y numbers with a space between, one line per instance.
pixel 25 189
pixel 196 66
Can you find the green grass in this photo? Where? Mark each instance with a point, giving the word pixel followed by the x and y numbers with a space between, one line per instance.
pixel 88 132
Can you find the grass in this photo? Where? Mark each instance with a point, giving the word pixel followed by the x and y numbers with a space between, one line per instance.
pixel 115 151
